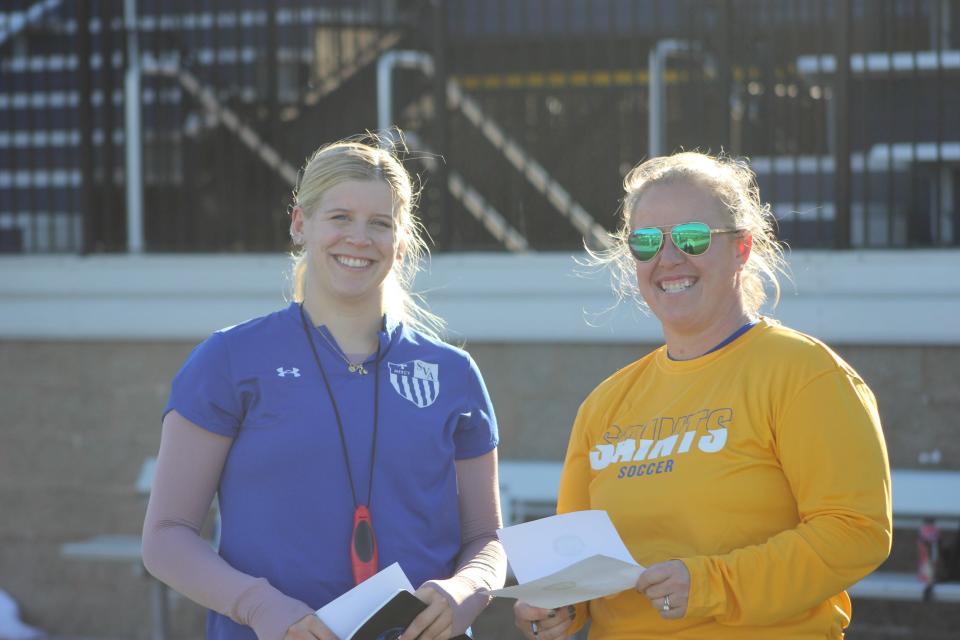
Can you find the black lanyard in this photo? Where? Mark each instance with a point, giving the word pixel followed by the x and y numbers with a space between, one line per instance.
pixel 363 543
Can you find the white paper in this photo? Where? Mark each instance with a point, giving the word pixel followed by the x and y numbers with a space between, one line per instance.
pixel 566 559
pixel 593 577
pixel 345 614
pixel 542 547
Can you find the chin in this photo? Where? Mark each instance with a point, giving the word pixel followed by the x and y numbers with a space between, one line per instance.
pixel 675 319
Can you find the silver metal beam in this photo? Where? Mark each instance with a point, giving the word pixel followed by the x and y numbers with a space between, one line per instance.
pixel 657 95
pixel 133 141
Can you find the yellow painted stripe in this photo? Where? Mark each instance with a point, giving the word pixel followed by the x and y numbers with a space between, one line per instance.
pixel 603 78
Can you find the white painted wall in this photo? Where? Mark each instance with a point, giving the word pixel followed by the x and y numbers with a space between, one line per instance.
pixel 855 297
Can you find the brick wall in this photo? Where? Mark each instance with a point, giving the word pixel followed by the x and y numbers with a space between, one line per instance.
pixel 80 417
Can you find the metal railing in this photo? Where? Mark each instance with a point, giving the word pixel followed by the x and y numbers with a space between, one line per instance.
pixel 845 109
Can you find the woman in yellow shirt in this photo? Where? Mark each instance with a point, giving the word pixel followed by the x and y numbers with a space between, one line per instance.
pixel 742 462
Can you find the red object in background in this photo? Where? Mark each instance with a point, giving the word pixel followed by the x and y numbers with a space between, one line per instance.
pixel 928 551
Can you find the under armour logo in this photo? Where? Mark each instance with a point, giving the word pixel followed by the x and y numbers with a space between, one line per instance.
pixel 281 372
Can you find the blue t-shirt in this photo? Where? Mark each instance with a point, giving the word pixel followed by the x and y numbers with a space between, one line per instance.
pixel 285 501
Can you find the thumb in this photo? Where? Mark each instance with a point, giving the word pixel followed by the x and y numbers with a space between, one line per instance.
pixel 648 578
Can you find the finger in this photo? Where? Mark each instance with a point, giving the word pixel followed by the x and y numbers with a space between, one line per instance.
pixel 321 630
pixel 555 617
pixel 529 628
pixel 435 607
pixel 656 592
pixel 556 624
pixel 676 611
pixel 440 629
pixel 558 630
pixel 442 623
pixel 654 574
pixel 672 606
pixel 308 628
pixel 527 612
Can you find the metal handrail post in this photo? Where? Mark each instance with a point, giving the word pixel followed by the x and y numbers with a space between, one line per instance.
pixel 133 141
pixel 657 94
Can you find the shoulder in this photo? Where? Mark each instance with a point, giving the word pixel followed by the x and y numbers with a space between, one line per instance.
pixel 259 327
pixel 250 341
pixel 798 350
pixel 428 347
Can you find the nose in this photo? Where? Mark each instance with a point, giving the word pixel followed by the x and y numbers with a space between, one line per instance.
pixel 358 234
pixel 669 254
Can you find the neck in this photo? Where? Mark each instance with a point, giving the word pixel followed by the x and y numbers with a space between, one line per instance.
pixel 686 344
pixel 354 327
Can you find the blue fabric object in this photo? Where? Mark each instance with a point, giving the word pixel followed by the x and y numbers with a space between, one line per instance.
pixel 733 336
pixel 285 502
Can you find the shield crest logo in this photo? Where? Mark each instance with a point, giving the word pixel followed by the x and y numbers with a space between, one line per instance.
pixel 416 380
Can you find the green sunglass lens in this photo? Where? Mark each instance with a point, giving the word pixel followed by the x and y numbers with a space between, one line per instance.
pixel 693 238
pixel 645 243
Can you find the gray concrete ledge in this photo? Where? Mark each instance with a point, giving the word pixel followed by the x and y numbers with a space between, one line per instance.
pixel 854 297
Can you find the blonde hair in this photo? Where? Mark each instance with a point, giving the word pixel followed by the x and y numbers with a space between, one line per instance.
pixel 371 157
pixel 734 184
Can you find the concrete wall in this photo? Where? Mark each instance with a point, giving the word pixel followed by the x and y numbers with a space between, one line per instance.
pixel 81 409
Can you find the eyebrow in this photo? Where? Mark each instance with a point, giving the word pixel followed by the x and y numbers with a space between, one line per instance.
pixel 338 209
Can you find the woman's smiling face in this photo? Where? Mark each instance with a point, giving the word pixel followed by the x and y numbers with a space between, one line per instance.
pixel 689 294
pixel 350 239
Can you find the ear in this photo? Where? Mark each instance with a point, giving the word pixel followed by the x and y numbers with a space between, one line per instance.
pixel 296 224
pixel 744 245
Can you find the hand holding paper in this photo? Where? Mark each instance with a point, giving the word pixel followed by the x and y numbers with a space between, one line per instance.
pixel 379 608
pixel 348 612
pixel 568 558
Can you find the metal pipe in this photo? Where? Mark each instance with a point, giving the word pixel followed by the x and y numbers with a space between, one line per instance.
pixel 841 129
pixel 86 126
pixel 132 135
pixel 657 94
pixel 385 66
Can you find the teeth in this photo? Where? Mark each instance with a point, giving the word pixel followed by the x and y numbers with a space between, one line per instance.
pixel 675 286
pixel 353 262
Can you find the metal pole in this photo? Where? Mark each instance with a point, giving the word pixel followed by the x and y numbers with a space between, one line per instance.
pixel 726 76
pixel 86 125
pixel 657 94
pixel 655 104
pixel 442 200
pixel 841 129
pixel 385 65
pixel 132 134
pixel 107 203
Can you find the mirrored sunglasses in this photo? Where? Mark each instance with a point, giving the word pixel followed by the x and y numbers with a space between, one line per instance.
pixel 692 238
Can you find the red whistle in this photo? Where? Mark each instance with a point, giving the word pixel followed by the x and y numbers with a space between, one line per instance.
pixel 363 546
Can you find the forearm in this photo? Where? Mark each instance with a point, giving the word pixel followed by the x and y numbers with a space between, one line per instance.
pixel 175 554
pixel 482 567
pixel 830 447
pixel 186 477
pixel 482 561
pixel 792 572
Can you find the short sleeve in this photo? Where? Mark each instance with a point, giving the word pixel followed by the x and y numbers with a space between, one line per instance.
pixel 476 432
pixel 203 391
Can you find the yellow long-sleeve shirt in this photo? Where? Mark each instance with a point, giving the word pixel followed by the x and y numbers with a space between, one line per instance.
pixel 761 466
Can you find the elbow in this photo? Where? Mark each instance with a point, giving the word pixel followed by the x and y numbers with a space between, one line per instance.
pixel 162 546
pixel 150 554
pixel 879 539
pixel 882 544
pixel 873 545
